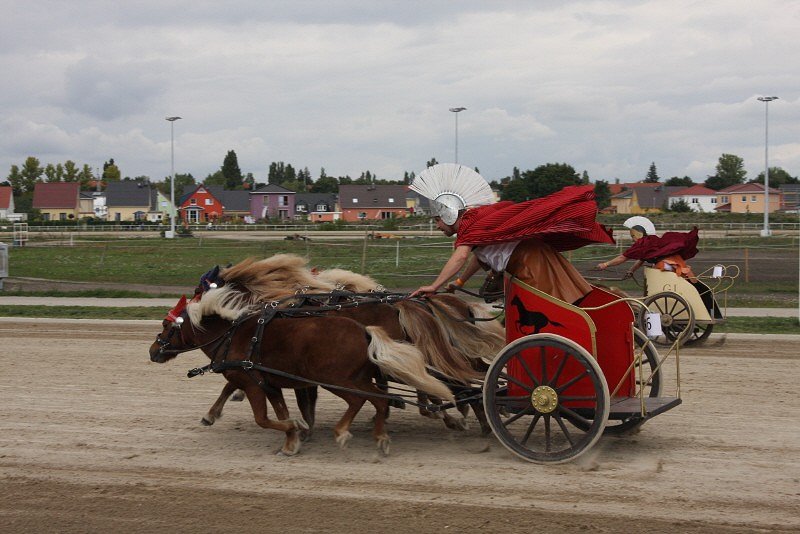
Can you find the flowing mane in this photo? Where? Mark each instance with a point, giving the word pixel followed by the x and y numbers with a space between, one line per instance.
pixel 348 280
pixel 274 278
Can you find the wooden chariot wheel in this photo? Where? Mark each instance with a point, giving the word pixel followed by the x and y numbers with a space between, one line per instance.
pixel 546 398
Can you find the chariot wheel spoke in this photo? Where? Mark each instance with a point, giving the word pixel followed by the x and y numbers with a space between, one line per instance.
pixel 530 428
pixel 571 382
pixel 521 384
pixel 564 429
pixel 548 438
pixel 572 416
pixel 558 371
pixel 516 416
pixel 528 371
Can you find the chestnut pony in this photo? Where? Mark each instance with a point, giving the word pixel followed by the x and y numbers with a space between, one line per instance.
pixel 226 328
pixel 451 345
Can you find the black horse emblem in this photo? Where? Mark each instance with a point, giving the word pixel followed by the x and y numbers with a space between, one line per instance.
pixel 531 319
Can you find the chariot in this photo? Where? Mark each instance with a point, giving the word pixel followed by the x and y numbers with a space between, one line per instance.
pixel 688 310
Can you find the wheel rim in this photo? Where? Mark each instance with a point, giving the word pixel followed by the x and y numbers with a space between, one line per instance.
pixel 677 318
pixel 700 333
pixel 546 399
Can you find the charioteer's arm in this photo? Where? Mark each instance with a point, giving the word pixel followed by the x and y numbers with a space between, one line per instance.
pixel 450 269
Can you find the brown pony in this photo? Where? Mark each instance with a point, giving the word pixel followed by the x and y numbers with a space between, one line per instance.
pixel 298 347
pixel 455 351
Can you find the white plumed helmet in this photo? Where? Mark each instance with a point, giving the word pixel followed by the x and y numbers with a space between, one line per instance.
pixel 642 222
pixel 452 187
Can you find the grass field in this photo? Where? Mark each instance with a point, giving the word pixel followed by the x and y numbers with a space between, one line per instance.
pixel 769 268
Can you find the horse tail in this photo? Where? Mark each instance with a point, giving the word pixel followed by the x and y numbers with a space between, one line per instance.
pixel 428 335
pixel 473 341
pixel 404 362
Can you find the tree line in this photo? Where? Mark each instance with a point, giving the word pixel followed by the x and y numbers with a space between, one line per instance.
pixel 518 186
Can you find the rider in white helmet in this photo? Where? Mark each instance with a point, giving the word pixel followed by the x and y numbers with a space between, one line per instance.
pixel 668 253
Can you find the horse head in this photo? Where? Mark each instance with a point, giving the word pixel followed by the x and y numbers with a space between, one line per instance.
pixel 172 340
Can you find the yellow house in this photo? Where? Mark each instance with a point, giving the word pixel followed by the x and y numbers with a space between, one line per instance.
pixel 747 198
pixel 57 201
pixel 640 198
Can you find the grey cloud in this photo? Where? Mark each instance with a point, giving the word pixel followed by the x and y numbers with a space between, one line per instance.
pixel 107 90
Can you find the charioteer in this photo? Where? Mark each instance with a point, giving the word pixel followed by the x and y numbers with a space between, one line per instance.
pixel 523 239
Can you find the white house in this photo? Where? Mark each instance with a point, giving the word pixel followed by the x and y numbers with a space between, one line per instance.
pixel 698 197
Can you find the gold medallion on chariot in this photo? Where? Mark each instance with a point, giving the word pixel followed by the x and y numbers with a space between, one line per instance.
pixel 544 399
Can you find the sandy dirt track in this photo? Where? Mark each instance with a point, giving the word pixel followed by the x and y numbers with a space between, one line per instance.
pixel 94 437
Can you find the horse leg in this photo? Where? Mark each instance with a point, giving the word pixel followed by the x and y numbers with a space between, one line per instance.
pixel 480 413
pixel 238 396
pixel 450 421
pixel 307 402
pixel 354 402
pixel 379 430
pixel 424 400
pixel 258 403
pixel 292 444
pixel 215 412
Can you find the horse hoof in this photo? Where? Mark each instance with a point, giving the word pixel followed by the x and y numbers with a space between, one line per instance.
pixel 305 435
pixel 206 421
pixel 288 452
pixel 237 396
pixel 343 438
pixel 456 423
pixel 384 443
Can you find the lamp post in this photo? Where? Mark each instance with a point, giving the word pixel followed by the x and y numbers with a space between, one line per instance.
pixel 766 99
pixel 456 111
pixel 172 171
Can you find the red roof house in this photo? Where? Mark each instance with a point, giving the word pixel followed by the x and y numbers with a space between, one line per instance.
pixel 57 201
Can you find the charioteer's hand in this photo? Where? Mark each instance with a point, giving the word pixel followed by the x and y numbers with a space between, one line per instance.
pixel 602 266
pixel 424 291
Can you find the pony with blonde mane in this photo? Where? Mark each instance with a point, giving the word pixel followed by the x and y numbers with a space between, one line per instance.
pixel 223 324
pixel 436 331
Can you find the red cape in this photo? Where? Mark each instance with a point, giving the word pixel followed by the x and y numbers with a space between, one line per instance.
pixel 651 248
pixel 564 220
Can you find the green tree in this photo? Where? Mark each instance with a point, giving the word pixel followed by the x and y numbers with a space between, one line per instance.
pixel 86 176
pixel 50 173
pixel 652 174
pixel 684 182
pixel 680 206
pixel 231 171
pixel 515 191
pixel 730 171
pixel 111 172
pixel 31 173
pixel 602 194
pixel 70 171
pixel 325 184
pixel 547 179
pixel 15 180
pixel 585 180
pixel 431 162
pixel 215 178
pixel 777 177
pixel 249 182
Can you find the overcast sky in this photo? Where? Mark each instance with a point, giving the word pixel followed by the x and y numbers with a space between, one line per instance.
pixel 606 86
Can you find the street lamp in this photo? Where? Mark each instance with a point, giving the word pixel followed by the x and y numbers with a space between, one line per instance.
pixel 172 169
pixel 456 111
pixel 766 99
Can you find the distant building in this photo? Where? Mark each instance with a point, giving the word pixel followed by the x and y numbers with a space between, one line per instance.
pixel 698 197
pixel 128 200
pixel 316 207
pixel 57 201
pixel 747 198
pixel 272 201
pixel 642 197
pixel 200 206
pixel 373 202
pixel 790 197
pixel 235 203
pixel 6 203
